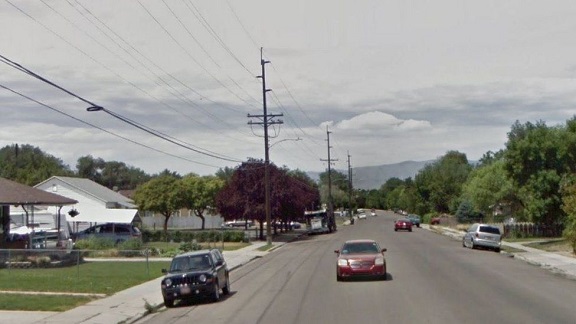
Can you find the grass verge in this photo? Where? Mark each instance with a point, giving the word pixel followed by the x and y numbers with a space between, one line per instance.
pixel 44 303
pixel 555 245
pixel 265 247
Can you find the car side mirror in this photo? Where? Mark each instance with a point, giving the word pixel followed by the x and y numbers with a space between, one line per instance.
pixel 384 250
pixel 164 271
pixel 337 251
pixel 219 263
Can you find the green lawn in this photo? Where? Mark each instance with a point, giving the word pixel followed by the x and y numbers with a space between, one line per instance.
pixel 41 302
pixel 90 277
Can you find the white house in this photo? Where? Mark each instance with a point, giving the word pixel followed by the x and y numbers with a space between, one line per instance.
pixel 96 203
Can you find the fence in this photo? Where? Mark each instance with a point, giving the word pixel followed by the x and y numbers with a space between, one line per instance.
pixel 532 230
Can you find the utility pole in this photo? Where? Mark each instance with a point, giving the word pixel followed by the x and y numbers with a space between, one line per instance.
pixel 331 220
pixel 350 190
pixel 266 120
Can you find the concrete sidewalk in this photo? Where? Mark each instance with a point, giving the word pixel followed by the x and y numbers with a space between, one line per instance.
pixel 126 306
pixel 557 263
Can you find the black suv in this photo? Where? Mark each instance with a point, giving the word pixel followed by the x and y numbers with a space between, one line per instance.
pixel 194 275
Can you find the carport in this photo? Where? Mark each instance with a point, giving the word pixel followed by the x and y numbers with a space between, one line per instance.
pixel 15 194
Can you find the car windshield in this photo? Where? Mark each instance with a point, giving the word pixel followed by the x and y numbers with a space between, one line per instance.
pixel 360 248
pixel 187 263
pixel 489 229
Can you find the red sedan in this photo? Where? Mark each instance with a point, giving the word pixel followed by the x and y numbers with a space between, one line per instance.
pixel 360 258
pixel 403 224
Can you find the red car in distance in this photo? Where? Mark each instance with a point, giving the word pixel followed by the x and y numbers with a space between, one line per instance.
pixel 360 259
pixel 403 224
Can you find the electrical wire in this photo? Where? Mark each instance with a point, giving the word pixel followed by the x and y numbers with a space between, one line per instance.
pixel 118 116
pixel 102 129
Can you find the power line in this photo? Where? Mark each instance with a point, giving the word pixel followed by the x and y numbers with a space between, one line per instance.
pixel 191 56
pixel 118 116
pixel 102 129
pixel 176 92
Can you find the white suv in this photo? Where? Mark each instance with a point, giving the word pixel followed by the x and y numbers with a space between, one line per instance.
pixel 482 235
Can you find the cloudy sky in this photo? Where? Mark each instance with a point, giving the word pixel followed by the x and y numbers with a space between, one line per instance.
pixel 390 80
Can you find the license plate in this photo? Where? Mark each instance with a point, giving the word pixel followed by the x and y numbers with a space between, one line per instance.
pixel 185 290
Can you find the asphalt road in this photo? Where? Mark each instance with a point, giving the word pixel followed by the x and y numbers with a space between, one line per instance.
pixel 432 279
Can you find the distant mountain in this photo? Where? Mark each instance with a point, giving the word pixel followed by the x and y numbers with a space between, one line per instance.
pixel 373 177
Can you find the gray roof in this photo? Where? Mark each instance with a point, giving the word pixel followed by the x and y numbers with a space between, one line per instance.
pixel 96 190
pixel 14 193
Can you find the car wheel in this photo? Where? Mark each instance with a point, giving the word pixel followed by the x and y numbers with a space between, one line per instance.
pixel 168 303
pixel 472 246
pixel 226 289
pixel 463 242
pixel 216 294
pixel 395 230
pixel 410 230
pixel 497 250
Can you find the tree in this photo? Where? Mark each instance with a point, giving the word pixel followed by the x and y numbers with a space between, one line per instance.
pixel 339 187
pixel 90 168
pixel 163 195
pixel 242 197
pixel 111 174
pixel 225 174
pixel 537 157
pixel 439 184
pixel 489 186
pixel 569 207
pixel 201 193
pixel 29 165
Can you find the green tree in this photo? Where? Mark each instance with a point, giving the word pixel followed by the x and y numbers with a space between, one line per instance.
pixel 201 194
pixel 537 157
pixel 569 207
pixel 489 186
pixel 440 184
pixel 339 188
pixel 111 174
pixel 164 195
pixel 90 168
pixel 225 174
pixel 29 165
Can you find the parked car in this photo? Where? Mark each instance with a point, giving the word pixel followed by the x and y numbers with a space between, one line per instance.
pixel 403 224
pixel 195 275
pixel 415 219
pixel 360 258
pixel 113 231
pixel 482 235
pixel 362 216
pixel 239 223
pixel 291 225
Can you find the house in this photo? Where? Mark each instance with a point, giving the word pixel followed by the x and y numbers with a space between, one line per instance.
pixel 96 203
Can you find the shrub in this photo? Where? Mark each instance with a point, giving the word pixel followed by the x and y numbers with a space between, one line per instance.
pixel 190 246
pixel 94 243
pixel 131 247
